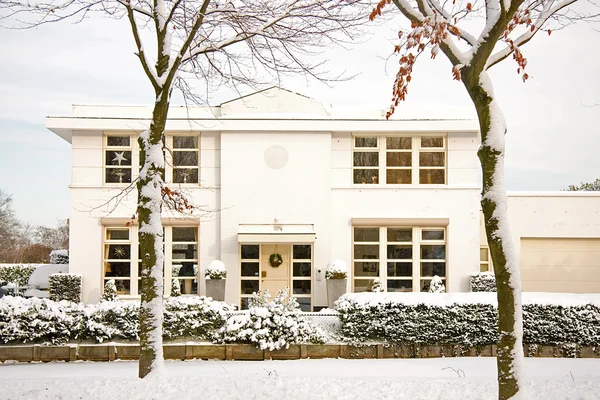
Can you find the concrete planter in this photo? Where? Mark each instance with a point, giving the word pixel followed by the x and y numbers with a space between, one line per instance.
pixel 215 288
pixel 335 288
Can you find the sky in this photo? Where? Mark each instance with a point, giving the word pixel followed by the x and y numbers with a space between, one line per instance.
pixel 553 128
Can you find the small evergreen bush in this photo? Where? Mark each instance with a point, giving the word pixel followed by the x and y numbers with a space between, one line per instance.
pixel 17 273
pixel 110 291
pixel 482 282
pixel 65 287
pixel 436 285
pixel 59 257
pixel 175 288
pixel 216 270
pixel 336 270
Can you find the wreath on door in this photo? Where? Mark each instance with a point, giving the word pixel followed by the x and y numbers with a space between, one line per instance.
pixel 275 260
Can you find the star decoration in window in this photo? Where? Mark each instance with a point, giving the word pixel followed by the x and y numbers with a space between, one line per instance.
pixel 119 157
pixel 119 251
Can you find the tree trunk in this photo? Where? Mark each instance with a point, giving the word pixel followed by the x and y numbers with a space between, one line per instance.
pixel 504 257
pixel 150 238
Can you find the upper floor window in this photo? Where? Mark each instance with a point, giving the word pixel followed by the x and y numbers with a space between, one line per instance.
pixel 185 159
pixel 117 159
pixel 399 160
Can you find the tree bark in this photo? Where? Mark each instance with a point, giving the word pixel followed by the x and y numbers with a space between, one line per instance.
pixel 150 238
pixel 508 280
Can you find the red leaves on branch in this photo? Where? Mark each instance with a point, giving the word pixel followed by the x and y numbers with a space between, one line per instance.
pixel 377 10
pixel 175 200
pixel 456 72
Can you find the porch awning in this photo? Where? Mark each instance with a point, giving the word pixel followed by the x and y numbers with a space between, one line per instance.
pixel 276 233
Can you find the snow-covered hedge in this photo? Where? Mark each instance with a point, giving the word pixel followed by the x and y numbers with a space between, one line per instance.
pixel 42 320
pixel 466 318
pixel 17 273
pixel 59 257
pixel 272 325
pixel 482 282
pixel 65 287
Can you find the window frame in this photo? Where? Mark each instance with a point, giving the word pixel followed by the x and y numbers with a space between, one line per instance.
pixel 131 148
pixel 415 150
pixel 489 266
pixel 170 158
pixel 417 278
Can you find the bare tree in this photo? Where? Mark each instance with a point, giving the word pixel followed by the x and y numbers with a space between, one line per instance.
pixel 475 36
pixel 228 42
pixel 9 229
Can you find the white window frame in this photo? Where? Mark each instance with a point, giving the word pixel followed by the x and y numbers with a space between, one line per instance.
pixel 489 266
pixel 169 158
pixel 134 156
pixel 416 242
pixel 415 150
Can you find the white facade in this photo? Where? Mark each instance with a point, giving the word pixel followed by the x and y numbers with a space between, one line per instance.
pixel 276 170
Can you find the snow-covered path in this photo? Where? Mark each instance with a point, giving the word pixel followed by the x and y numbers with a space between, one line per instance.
pixel 440 378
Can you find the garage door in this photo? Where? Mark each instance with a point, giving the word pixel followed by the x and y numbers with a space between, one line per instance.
pixel 560 265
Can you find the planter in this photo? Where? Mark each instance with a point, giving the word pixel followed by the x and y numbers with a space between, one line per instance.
pixel 215 288
pixel 335 289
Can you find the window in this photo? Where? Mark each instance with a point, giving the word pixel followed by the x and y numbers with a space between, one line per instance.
pixel 185 159
pixel 122 255
pixel 485 259
pixel 410 256
pixel 117 159
pixel 301 275
pixel 399 160
pixel 250 270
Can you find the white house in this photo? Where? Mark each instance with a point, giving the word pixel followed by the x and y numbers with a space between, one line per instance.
pixel 276 172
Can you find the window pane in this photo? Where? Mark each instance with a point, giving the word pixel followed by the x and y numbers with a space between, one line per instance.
pixel 301 287
pixel 118 251
pixel 398 159
pixel 483 267
pixel 117 234
pixel 398 143
pixel 302 269
pixel 184 252
pixel 432 159
pixel 250 252
pixel 249 286
pixel 244 303
pixel 365 142
pixel 184 269
pixel 302 251
pixel 433 234
pixel 432 176
pixel 366 268
pixel 184 234
pixel 123 286
pixel 366 234
pixel 188 286
pixel 185 158
pixel 368 176
pixel 425 283
pixel 185 142
pixel 304 303
pixel 399 269
pixel 118 158
pixel 250 269
pixel 483 254
pixel 432 142
pixel 398 176
pixel 366 251
pixel 117 269
pixel 399 234
pixel 118 175
pixel 432 269
pixel 118 141
pixel 362 285
pixel 394 285
pixel 399 252
pixel 185 175
pixel 433 252
pixel 366 159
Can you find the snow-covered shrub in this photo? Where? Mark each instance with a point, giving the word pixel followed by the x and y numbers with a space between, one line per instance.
pixel 175 288
pixel 469 319
pixel 59 257
pixel 436 285
pixel 16 273
pixel 482 282
pixel 377 286
pixel 216 270
pixel 336 270
pixel 65 287
pixel 109 320
pixel 193 317
pixel 110 291
pixel 272 325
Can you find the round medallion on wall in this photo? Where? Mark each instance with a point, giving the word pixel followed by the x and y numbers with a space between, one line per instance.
pixel 276 157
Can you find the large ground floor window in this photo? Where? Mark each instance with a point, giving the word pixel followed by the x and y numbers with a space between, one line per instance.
pixel 122 259
pixel 294 272
pixel 405 259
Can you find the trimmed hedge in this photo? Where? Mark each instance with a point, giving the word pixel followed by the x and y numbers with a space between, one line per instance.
pixel 17 273
pixel 65 287
pixel 482 282
pixel 59 257
pixel 469 323
pixel 46 321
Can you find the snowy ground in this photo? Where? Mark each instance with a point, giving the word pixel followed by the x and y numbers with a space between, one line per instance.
pixel 440 378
